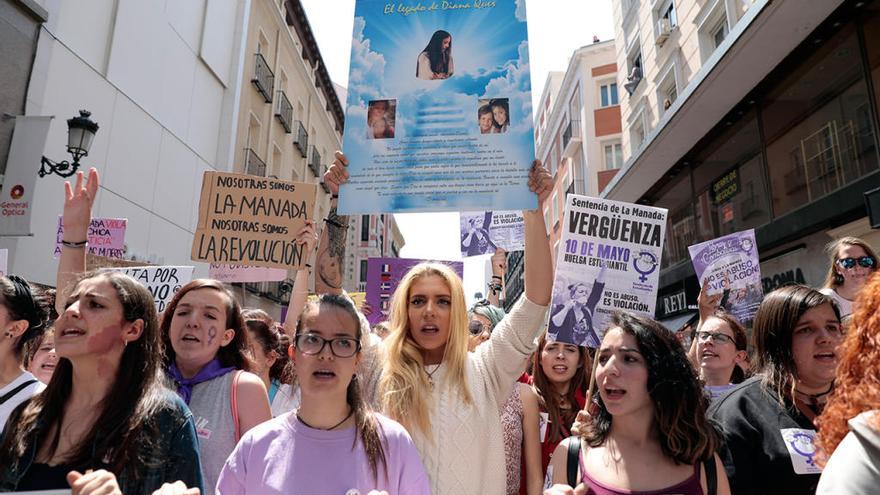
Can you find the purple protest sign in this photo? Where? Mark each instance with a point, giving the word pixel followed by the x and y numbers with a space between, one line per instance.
pixel 242 273
pixel 106 237
pixel 383 275
pixel 735 255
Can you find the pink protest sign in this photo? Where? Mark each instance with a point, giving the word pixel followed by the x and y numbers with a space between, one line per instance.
pixel 106 237
pixel 242 273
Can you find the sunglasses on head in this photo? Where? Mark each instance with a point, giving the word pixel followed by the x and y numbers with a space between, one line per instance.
pixel 864 261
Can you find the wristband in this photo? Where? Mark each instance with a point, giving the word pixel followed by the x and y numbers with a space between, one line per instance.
pixel 496 276
pixel 334 196
pixel 75 245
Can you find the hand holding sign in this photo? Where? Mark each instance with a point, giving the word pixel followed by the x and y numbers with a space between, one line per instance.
pixel 308 237
pixel 78 205
pixel 337 174
pixel 540 182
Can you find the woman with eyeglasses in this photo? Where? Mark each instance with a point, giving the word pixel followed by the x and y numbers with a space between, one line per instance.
pixel 721 349
pixel 768 421
pixel 333 443
pixel 483 318
pixel 852 263
pixel 447 398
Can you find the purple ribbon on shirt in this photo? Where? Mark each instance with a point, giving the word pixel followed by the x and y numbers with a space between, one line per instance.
pixel 185 385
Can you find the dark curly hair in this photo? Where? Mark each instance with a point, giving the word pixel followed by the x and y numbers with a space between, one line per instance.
pixel 680 425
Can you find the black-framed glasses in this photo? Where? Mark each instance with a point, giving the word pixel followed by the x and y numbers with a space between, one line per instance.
pixel 312 344
pixel 863 261
pixel 717 338
pixel 476 328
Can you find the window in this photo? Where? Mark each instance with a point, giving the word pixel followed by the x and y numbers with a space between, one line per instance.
pixel 719 33
pixel 365 228
pixel 667 12
pixel 713 26
pixel 547 223
pixel 608 95
pixel 818 125
pixel 363 274
pixel 667 90
pixel 554 200
pixel 637 129
pixel 634 67
pixel 676 196
pixel 613 156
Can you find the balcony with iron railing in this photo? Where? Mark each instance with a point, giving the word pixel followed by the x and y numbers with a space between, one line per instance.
pixel 263 79
pixel 300 138
pixel 253 165
pixel 284 111
pixel 315 161
pixel 571 138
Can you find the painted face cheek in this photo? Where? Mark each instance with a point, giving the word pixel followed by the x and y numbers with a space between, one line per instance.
pixel 212 335
pixel 104 339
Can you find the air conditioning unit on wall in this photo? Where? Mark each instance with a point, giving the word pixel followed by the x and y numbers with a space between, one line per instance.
pixel 663 31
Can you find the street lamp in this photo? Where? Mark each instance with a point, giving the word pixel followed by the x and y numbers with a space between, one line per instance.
pixel 80 133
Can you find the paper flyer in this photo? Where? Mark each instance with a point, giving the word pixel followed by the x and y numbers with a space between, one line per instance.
pixel 439 115
pixel 736 256
pixel 608 260
pixel 483 232
pixel 383 275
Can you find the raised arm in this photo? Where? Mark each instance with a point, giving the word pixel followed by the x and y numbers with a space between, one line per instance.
pixel 77 215
pixel 538 264
pixel 499 270
pixel 331 249
pixel 300 292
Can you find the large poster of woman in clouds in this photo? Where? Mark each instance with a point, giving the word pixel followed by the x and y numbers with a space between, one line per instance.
pixel 447 153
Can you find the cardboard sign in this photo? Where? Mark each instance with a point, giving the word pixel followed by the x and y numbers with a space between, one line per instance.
pixel 485 231
pixel 250 220
pixel 106 237
pixel 608 260
pixel 242 273
pixel 162 281
pixel 733 258
pixel 383 275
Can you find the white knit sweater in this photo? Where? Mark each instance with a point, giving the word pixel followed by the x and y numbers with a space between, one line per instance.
pixel 466 455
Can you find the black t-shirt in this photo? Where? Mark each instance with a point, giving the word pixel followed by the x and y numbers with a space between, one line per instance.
pixel 767 445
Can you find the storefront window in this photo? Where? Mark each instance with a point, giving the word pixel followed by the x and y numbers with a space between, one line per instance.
pixel 677 198
pixel 729 181
pixel 818 125
pixel 871 29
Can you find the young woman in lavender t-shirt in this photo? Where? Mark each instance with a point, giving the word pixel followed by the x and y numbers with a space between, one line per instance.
pixel 333 443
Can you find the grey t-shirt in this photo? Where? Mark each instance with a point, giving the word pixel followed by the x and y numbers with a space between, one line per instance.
pixel 854 467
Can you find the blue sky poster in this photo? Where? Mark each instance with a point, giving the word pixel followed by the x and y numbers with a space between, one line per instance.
pixel 439 114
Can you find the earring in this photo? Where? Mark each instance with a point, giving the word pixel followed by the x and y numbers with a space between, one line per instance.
pixel 9 334
pixel 838 278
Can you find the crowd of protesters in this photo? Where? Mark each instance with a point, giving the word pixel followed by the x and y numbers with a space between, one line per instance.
pixel 101 394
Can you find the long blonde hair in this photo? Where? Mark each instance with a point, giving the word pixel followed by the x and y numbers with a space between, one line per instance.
pixel 405 389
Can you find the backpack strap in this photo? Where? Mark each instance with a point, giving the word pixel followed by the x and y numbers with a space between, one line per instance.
pixel 571 465
pixel 233 394
pixel 711 476
pixel 12 393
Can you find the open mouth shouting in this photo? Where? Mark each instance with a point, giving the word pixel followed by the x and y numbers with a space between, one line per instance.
pixel 324 374
pixel 612 394
pixel 430 329
pixel 826 357
pixel 560 369
pixel 72 332
pixel 189 338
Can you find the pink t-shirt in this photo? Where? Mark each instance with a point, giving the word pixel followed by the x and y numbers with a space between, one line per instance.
pixel 285 456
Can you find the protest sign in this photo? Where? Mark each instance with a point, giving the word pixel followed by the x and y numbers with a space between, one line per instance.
pixel 733 260
pixel 251 220
pixel 483 232
pixel 242 273
pixel 106 237
pixel 442 121
pixel 162 281
pixel 383 275
pixel 608 260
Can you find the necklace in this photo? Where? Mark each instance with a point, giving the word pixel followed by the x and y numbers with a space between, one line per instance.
pixel 815 402
pixel 350 412
pixel 431 374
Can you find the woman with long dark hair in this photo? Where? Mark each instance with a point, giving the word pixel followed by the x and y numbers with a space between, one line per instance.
pixel 22 321
pixel 105 411
pixel 333 443
pixel 272 364
pixel 435 61
pixel 768 421
pixel 646 430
